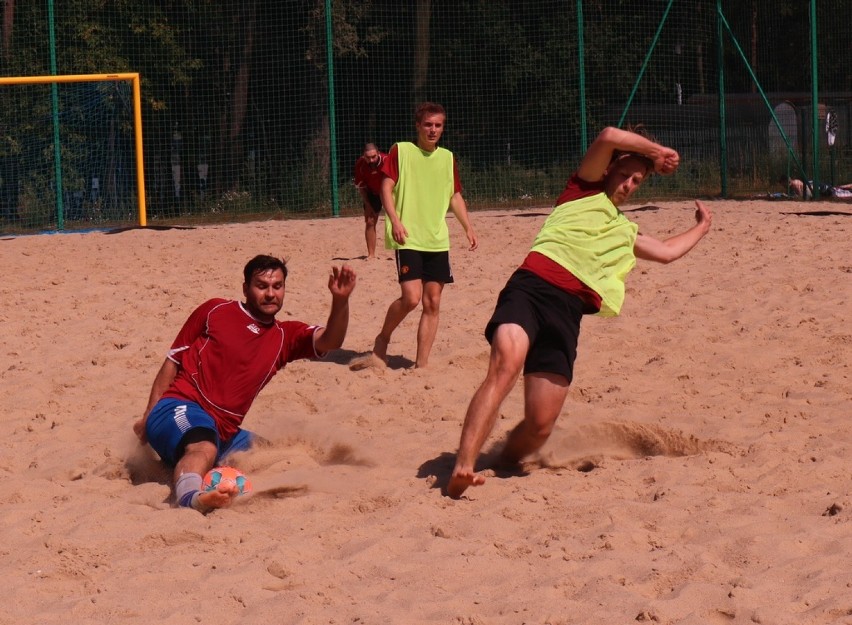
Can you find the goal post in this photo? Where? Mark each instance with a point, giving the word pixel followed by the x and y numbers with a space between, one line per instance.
pixel 133 79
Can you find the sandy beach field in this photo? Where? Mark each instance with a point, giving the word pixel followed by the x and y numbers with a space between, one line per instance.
pixel 700 472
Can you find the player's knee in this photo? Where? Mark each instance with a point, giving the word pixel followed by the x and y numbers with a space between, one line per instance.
pixel 409 302
pixel 504 375
pixel 431 305
pixel 198 440
pixel 537 430
pixel 506 361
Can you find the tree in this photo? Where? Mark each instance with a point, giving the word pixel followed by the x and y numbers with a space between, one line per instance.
pixel 8 23
pixel 422 24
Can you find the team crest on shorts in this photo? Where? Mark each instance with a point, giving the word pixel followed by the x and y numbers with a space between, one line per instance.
pixel 404 269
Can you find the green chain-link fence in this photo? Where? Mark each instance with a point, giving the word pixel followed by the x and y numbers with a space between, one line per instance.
pixel 257 109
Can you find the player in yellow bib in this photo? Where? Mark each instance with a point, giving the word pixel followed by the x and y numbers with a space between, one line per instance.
pixel 577 265
pixel 421 184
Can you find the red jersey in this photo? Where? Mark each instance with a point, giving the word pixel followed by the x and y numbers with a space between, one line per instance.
pixel 390 168
pixel 552 272
pixel 225 356
pixel 577 188
pixel 369 177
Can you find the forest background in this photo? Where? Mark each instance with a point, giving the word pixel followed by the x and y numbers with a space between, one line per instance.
pixel 259 109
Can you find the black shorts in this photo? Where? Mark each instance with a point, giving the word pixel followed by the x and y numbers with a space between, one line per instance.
pixel 550 317
pixel 375 202
pixel 425 266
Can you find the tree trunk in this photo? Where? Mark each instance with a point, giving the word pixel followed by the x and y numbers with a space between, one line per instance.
pixel 239 105
pixel 8 23
pixel 423 18
pixel 8 162
pixel 699 66
pixel 233 115
pixel 754 42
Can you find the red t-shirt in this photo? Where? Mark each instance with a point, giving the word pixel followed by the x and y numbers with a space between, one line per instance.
pixel 369 177
pixel 577 188
pixel 225 357
pixel 552 272
pixel 390 168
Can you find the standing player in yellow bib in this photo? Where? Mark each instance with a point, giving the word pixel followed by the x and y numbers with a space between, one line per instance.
pixel 421 184
pixel 577 265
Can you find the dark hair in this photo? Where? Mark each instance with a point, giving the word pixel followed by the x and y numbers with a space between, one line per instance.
pixel 428 108
pixel 647 162
pixel 261 264
pixel 641 130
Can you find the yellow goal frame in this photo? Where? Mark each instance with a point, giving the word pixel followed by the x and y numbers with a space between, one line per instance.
pixel 133 77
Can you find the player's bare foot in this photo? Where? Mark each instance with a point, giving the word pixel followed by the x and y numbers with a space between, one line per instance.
pixel 460 481
pixel 380 348
pixel 222 497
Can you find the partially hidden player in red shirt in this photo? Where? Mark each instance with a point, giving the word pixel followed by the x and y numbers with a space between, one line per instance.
pixel 224 354
pixel 368 180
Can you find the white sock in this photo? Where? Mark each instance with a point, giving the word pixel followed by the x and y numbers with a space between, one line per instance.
pixel 187 489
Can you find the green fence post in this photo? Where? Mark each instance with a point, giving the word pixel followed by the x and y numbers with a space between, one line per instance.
pixel 723 141
pixel 54 103
pixel 815 99
pixel 332 125
pixel 584 137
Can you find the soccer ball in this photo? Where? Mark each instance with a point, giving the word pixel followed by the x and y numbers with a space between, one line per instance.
pixel 226 475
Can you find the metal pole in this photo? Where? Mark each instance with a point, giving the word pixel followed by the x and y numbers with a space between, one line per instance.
pixel 581 54
pixel 762 93
pixel 815 100
pixel 723 143
pixel 137 136
pixel 332 126
pixel 645 64
pixel 54 104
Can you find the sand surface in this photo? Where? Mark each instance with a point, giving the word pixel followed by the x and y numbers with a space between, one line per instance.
pixel 699 473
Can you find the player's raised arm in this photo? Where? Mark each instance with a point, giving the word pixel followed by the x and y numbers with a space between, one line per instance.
pixel 341 283
pixel 613 140
pixel 649 248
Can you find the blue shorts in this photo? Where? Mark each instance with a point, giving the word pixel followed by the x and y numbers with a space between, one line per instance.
pixel 172 419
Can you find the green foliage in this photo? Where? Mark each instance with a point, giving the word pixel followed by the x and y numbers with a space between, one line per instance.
pixel 507 186
pixel 245 85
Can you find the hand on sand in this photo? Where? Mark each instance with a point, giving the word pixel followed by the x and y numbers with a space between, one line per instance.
pixel 139 430
pixel 460 480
